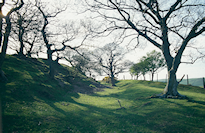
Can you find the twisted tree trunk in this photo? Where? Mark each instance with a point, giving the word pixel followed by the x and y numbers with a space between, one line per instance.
pixel 172 84
pixel 170 91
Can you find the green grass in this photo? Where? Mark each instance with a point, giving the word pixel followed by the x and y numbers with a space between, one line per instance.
pixel 34 103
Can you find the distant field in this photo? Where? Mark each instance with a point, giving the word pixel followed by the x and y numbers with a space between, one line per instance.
pixel 192 81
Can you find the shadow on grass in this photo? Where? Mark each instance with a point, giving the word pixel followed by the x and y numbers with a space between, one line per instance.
pixel 194 101
pixel 147 118
pixel 159 116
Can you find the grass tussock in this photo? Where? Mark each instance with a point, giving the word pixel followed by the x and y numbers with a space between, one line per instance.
pixel 32 102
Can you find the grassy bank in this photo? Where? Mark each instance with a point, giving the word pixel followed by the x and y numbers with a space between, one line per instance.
pixel 34 103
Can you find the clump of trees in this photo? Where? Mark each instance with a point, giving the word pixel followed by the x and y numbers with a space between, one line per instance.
pixel 152 63
pixel 33 30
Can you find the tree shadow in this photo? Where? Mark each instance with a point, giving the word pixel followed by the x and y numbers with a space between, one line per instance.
pixel 141 119
pixel 194 101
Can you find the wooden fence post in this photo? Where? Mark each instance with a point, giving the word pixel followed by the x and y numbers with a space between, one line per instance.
pixel 187 80
pixel 157 77
pixel 166 79
pixel 203 83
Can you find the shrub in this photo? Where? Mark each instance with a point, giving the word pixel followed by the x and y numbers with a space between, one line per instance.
pixel 108 79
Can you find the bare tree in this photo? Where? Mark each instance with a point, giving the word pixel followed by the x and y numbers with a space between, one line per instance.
pixel 25 29
pixel 46 35
pixel 68 32
pixel 110 59
pixel 169 25
pixel 5 36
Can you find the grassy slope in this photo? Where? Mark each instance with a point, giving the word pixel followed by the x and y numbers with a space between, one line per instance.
pixel 34 103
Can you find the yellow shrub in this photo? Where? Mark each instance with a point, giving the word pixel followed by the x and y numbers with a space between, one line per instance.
pixel 108 79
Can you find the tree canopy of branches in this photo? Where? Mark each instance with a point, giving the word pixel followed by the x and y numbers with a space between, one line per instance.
pixel 25 29
pixel 171 26
pixel 54 45
pixel 110 59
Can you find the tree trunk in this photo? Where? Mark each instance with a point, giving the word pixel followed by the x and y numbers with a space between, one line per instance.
pixel 21 45
pixel 21 32
pixel 50 62
pixel 137 76
pixel 52 70
pixel 171 87
pixel 152 76
pixel 170 91
pixel 2 75
pixel 144 77
pixel 112 79
pixel 4 48
pixel 1 24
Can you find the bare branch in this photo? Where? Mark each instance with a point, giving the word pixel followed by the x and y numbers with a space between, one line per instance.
pixel 134 27
pixel 173 7
pixel 192 34
pixel 15 9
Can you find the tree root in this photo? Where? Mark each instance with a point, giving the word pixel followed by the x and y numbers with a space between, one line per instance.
pixel 161 95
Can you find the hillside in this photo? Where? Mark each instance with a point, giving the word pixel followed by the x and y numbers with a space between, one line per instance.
pixel 29 86
pixel 73 103
pixel 32 73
